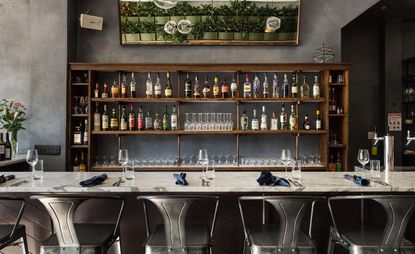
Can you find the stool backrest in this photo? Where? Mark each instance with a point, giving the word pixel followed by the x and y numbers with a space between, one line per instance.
pixel 20 213
pixel 174 211
pixel 398 210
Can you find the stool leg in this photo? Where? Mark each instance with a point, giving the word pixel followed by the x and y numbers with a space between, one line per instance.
pixel 25 249
pixel 330 248
pixel 117 246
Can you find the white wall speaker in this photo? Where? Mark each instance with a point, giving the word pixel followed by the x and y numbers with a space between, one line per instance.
pixel 91 22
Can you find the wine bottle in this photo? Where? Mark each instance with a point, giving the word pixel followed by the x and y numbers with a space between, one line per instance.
pixel 149 86
pixel 104 94
pixel 114 120
pixel 157 87
pixel 131 118
pixel 257 86
pixel 2 148
pixel 123 120
pixel 216 88
pixel 206 89
pixel 283 118
pixel 173 119
pixel 77 136
pixel 293 119
pixel 264 122
pixel 82 163
pixel 224 89
pixel 166 120
pixel 124 87
pixel 140 119
pixel 247 87
pixel 316 88
pixel 86 135
pixel 8 148
pixel 96 91
pixel 148 121
pixel 244 121
pixel 196 92
pixel 168 91
pixel 188 87
pixel 294 87
pixel 97 118
pixel 133 86
pixel 318 120
pixel 305 88
pixel 105 119
pixel 75 166
pixel 234 87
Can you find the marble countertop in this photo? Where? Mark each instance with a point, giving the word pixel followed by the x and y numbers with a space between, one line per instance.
pixel 18 159
pixel 225 182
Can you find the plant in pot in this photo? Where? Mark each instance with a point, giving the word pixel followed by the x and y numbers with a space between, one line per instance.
pixel 223 13
pixel 161 16
pixel 193 14
pixel 238 8
pixel 129 10
pixel 210 30
pixel 148 31
pixel 251 13
pixel 178 12
pixel 130 31
pixel 256 32
pixel 197 32
pixel 162 35
pixel 206 12
pixel 225 30
pixel 12 116
pixel 146 12
pixel 240 31
pixel 288 23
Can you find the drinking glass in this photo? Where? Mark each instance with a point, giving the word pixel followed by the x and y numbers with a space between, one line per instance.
pixel 32 158
pixel 203 158
pixel 187 122
pixel 210 172
pixel 296 169
pixel 37 173
pixel 129 170
pixel 375 169
pixel 123 159
pixel 363 157
pixel 285 158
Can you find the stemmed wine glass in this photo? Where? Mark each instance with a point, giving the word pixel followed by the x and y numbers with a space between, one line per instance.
pixel 32 158
pixel 285 158
pixel 203 158
pixel 363 157
pixel 123 160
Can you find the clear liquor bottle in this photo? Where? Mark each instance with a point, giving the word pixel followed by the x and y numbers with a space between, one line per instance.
pixel 265 85
pixel 293 119
pixel 285 87
pixel 257 86
pixel 305 88
pixel 275 87
pixel 148 121
pixel 254 122
pixel 173 119
pixel 316 88
pixel 264 120
pixel 104 93
pixel 196 91
pixel 157 122
pixel 157 87
pixel 244 121
pixel 247 87
pixel 149 86
pixel 283 118
pixel 274 122
pixel 294 87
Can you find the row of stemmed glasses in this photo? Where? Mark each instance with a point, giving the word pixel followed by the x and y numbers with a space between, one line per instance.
pixel 208 122
pixel 80 105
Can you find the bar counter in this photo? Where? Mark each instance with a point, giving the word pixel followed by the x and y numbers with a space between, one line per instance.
pixel 225 182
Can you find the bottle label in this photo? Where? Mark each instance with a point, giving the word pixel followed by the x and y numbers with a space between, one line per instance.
pixel 316 91
pixel 123 90
pixel 77 139
pixel 114 91
pixel 7 153
pixel 156 125
pixel 247 89
pixel 114 123
pixel 97 122
pixel 85 137
pixel 274 124
pixel 215 90
pixel 173 121
pixel 132 87
pixel 293 123
pixel 140 123
pixel 157 90
pixel 206 91
pixel 104 95
pixel 255 125
pixel 123 125
pixel 131 121
pixel 149 92
pixel 96 93
pixel 2 148
pixel 264 123
pixel 318 124
pixel 168 92
pixel 294 89
pixel 149 123
pixel 105 122
pixel 225 89
pixel 234 87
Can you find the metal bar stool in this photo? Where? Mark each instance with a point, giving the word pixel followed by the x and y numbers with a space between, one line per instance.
pixel 74 238
pixel 9 234
pixel 371 238
pixel 174 236
pixel 287 237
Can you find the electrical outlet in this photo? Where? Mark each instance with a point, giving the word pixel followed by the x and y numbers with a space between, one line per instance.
pixel 48 149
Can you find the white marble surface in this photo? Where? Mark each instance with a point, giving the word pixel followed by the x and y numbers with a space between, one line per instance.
pixel 225 182
pixel 18 159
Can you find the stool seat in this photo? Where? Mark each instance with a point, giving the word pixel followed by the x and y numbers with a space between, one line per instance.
pixel 5 231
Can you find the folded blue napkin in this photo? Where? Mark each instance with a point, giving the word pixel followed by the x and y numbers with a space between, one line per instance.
pixel 4 179
pixel 181 179
pixel 266 178
pixel 357 179
pixel 96 180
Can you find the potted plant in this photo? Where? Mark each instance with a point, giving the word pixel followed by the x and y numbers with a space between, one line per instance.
pixel 197 32
pixel 239 8
pixel 256 32
pixel 240 31
pixel 130 31
pixel 223 13
pixel 12 116
pixel 210 30
pixel 225 30
pixel 251 13
pixel 148 31
pixel 193 14
pixel 288 23
pixel 178 12
pixel 146 12
pixel 129 10
pixel 161 16
pixel 206 11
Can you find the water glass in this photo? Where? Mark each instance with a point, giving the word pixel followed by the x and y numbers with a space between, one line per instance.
pixel 296 169
pixel 210 172
pixel 375 169
pixel 37 173
pixel 129 170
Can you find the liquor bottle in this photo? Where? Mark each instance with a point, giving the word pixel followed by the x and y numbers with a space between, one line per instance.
pixel 105 119
pixel 216 87
pixel 7 148
pixel 131 118
pixel 123 120
pixel 114 120
pixel 316 88
pixel 166 120
pixel 77 136
pixel 96 91
pixel 82 163
pixel 206 89
pixel 318 120
pixel 85 138
pixel 274 122
pixel 254 122
pixel 275 87
pixel 293 119
pixel 187 87
pixel 157 87
pixel 124 87
pixel 234 87
pixel 104 94
pixel 332 163
pixel 133 86
pixel 115 90
pixel 265 92
pixel 285 88
pixel 332 102
pixel 294 87
pixel 97 118
pixel 149 86
pixel 196 91
pixel 173 119
pixel 330 79
pixel 247 87
pixel 140 119
pixel 225 89
pixel 244 121
pixel 307 122
pixel 283 118
pixel 2 148
pixel 148 121
pixel 168 90
pixel 257 86
pixel 305 88
pixel 339 163
pixel 157 122
pixel 75 166
pixel 264 124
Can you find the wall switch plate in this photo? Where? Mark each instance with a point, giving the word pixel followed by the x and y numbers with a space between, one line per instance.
pixel 395 121
pixel 91 22
pixel 371 135
pixel 48 149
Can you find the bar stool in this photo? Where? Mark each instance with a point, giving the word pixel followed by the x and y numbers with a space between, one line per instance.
pixel 69 237
pixel 174 236
pixel 9 234
pixel 374 239
pixel 287 237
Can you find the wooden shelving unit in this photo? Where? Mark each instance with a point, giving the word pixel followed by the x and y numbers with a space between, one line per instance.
pixel 335 122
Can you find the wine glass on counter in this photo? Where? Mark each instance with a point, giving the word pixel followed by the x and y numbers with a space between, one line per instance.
pixel 123 160
pixel 363 157
pixel 32 158
pixel 285 158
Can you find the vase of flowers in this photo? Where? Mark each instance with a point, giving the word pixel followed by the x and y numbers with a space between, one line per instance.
pixel 12 116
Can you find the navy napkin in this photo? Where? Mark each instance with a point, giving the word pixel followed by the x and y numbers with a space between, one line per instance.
pixel 266 178
pixel 96 180
pixel 357 179
pixel 181 179
pixel 4 179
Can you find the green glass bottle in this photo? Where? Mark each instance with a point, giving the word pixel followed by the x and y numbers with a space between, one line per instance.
pixel 166 120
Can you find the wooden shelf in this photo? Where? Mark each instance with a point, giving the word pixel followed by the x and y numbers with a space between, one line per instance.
pixel 337 84
pixel 337 115
pixel 80 84
pixel 199 169
pixel 198 100
pixel 233 132
pixel 79 146
pixel 79 115
pixel 337 145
